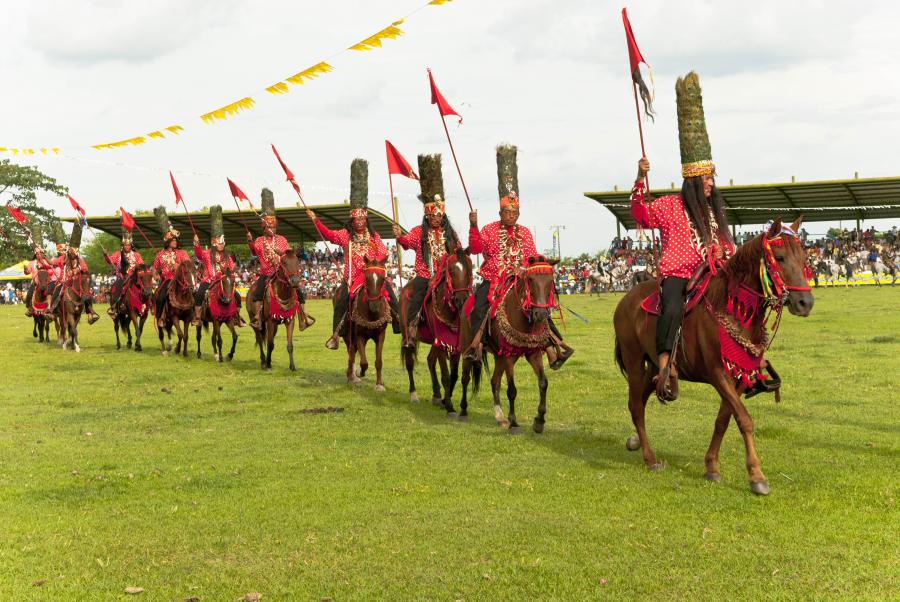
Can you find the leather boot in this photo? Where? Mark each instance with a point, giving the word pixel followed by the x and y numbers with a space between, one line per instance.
pixel 563 353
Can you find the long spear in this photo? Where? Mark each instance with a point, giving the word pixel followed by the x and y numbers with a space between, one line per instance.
pixel 128 219
pixel 179 199
pixel 445 109
pixel 397 165
pixel 237 193
pixel 81 215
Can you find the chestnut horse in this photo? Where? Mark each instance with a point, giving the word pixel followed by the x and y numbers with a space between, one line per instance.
pixel 134 304
pixel 521 328
pixel 440 315
pixel 280 305
pixel 776 255
pixel 370 314
pixel 178 308
pixel 40 305
pixel 220 308
pixel 76 290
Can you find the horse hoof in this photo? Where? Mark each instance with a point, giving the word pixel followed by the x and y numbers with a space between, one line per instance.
pixel 77 349
pixel 633 443
pixel 138 348
pixel 165 353
pixel 515 430
pixel 128 346
pixel 503 423
pixel 357 372
pixel 463 417
pixel 713 477
pixel 229 356
pixel 452 415
pixel 414 397
pixel 437 401
pixel 379 388
pixel 656 467
pixel 268 368
pixel 538 426
pixel 759 487
pixel 118 347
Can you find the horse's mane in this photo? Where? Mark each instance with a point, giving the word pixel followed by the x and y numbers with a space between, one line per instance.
pixel 740 267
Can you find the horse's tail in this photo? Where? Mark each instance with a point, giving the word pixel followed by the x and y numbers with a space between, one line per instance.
pixel 619 361
pixel 476 375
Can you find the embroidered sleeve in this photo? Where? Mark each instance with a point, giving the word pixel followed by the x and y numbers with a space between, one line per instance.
pixel 337 237
pixel 411 240
pixel 476 247
pixel 640 210
pixel 378 248
pixel 528 248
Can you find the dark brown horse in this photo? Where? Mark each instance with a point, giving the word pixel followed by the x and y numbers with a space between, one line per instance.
pixel 40 306
pixel 370 314
pixel 521 328
pixel 134 304
pixel 76 290
pixel 220 308
pixel 178 309
pixel 280 305
pixel 699 357
pixel 439 326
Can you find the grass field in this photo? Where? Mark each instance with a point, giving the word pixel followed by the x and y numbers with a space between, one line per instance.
pixel 191 479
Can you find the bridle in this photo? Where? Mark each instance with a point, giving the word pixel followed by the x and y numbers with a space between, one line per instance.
pixel 770 276
pixel 374 269
pixel 539 267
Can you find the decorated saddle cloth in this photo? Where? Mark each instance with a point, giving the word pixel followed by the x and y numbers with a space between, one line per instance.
pixel 513 342
pixel 433 329
pixel 221 312
pixel 651 303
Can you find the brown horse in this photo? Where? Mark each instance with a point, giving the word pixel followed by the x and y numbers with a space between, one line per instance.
pixel 220 307
pixel 521 328
pixel 40 305
pixel 134 304
pixel 280 305
pixel 178 309
pixel 439 326
pixel 75 291
pixel 699 357
pixel 370 314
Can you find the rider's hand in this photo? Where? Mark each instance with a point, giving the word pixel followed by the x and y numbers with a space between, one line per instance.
pixel 643 168
pixel 396 229
pixel 310 214
pixel 196 240
pixel 473 219
pixel 249 236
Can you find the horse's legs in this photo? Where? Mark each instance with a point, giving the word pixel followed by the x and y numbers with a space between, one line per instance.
pixel 271 329
pixel 712 454
pixel 139 322
pixel 445 382
pixel 199 330
pixel 511 393
pixel 758 482
pixel 464 383
pixel 116 328
pixel 161 331
pixel 352 378
pixel 537 364
pixel 234 338
pixel 435 383
pixel 495 390
pixel 126 326
pixel 409 359
pixel 73 333
pixel 640 386
pixel 453 359
pixel 363 360
pixel 289 331
pixel 379 347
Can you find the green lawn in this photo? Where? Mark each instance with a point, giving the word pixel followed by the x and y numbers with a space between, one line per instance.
pixel 220 485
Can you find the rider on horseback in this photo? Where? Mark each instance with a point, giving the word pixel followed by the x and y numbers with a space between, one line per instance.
pixel 268 249
pixel 166 260
pixel 506 249
pixel 431 241
pixel 692 225
pixel 123 263
pixel 70 264
pixel 215 262
pixel 39 263
pixel 363 243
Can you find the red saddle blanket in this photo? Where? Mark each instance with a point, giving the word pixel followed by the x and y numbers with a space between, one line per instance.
pixel 650 304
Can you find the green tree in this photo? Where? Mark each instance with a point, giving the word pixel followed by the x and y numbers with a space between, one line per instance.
pixel 92 251
pixel 22 183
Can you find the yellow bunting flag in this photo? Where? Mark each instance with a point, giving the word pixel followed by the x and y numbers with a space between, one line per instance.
pixel 174 129
pixel 129 142
pixel 310 73
pixel 391 32
pixel 156 134
pixel 439 2
pixel 244 104
pixel 279 88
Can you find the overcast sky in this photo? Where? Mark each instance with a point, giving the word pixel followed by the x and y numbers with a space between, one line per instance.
pixel 805 89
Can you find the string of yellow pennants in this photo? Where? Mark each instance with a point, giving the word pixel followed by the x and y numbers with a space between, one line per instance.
pixel 391 32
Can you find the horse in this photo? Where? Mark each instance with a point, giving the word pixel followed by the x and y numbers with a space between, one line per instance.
pixel 76 290
pixel 370 314
pixel 439 326
pixel 178 308
pixel 520 327
pixel 830 270
pixel 734 302
pixel 134 304
pixel 40 304
pixel 220 308
pixel 880 268
pixel 280 305
pixel 600 278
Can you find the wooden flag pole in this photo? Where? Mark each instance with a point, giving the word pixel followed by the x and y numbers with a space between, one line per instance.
pixel 453 152
pixel 396 221
pixel 637 112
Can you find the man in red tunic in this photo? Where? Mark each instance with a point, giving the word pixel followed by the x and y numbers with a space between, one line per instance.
pixel 268 249
pixel 431 241
pixel 123 263
pixel 215 262
pixel 68 264
pixel 692 226
pixel 39 263
pixel 165 263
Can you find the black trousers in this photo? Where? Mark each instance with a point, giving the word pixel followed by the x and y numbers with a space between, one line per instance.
pixel 116 293
pixel 342 305
pixel 28 296
pixel 260 291
pixel 162 292
pixel 200 293
pixel 480 308
pixel 671 301
pixel 418 288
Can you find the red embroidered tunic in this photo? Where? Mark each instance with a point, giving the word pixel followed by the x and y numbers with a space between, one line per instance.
pixel 167 260
pixel 413 240
pixel 373 249
pixel 59 265
pixel 34 266
pixel 132 258
pixel 269 249
pixel 213 269
pixel 504 249
pixel 682 249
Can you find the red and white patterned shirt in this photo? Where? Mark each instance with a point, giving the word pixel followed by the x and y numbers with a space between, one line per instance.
pixel 132 258
pixel 682 249
pixel 213 269
pixel 34 266
pixel 373 248
pixel 269 249
pixel 413 240
pixel 504 249
pixel 167 260
pixel 59 266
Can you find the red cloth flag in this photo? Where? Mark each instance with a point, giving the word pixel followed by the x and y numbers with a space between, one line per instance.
pixel 635 58
pixel 178 198
pixel 237 192
pixel 287 171
pixel 17 214
pixel 634 53
pixel 397 164
pixel 438 99
pixel 127 220
pixel 76 206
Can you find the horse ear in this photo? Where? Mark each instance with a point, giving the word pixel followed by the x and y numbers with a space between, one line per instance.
pixel 775 228
pixel 796 225
pixel 553 261
pixel 467 251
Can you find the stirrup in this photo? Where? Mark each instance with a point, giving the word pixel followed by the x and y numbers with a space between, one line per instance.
pixel 334 342
pixel 667 384
pixel 563 353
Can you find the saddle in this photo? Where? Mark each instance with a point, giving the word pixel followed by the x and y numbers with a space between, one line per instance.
pixel 693 292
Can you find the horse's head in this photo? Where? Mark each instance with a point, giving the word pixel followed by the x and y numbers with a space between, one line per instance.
pixel 142 279
pixel 375 277
pixel 81 284
pixel 540 296
pixel 226 287
pixel 290 267
pixel 785 261
pixel 42 281
pixel 459 277
pixel 186 275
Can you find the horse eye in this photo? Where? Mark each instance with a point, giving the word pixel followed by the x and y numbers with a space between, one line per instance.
pixel 779 259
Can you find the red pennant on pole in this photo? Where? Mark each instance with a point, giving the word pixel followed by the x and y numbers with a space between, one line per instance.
pixel 17 214
pixel 76 206
pixel 237 192
pixel 438 99
pixel 178 198
pixel 127 220
pixel 287 171
pixel 635 58
pixel 634 53
pixel 397 164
